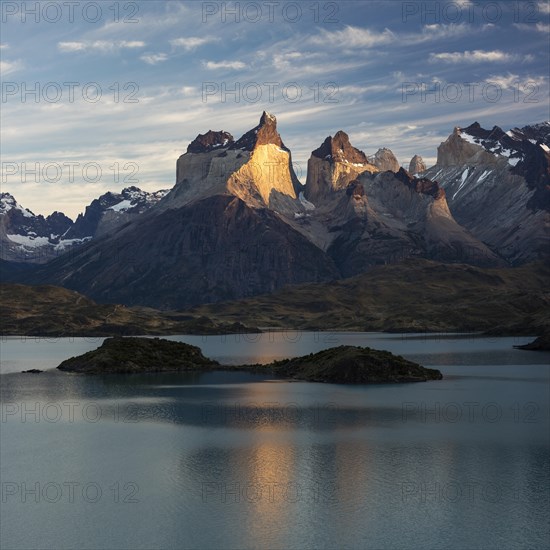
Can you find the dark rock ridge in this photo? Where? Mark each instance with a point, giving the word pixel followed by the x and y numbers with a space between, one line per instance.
pixel 420 185
pixel 542 343
pixel 343 364
pixel 111 210
pixel 339 149
pixel 355 189
pixel 204 143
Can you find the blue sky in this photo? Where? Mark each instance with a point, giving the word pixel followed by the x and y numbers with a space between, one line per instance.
pixel 391 74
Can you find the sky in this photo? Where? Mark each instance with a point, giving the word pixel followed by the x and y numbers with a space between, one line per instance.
pixel 97 96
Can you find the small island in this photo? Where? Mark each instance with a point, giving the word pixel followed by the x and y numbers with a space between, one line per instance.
pixel 340 365
pixel 542 343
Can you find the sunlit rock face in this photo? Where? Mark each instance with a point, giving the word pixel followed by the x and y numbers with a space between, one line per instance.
pixel 257 168
pixel 333 166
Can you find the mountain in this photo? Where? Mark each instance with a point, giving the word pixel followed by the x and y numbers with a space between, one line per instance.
pixel 112 210
pixel 29 238
pixel 395 216
pixel 238 223
pixel 257 168
pixel 224 231
pixel 498 187
pixel 372 218
pixel 26 238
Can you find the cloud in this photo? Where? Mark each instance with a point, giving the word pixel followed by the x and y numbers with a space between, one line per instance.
pixel 4 46
pixel 539 27
pixel 103 46
pixel 439 31
pixel 475 56
pixel 213 65
pixel 7 67
pixel 544 7
pixel 353 37
pixel 513 81
pixel 154 58
pixel 192 42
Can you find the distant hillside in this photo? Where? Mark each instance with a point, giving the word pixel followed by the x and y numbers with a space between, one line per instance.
pixel 417 295
pixel 55 311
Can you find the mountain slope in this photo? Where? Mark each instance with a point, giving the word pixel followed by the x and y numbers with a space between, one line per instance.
pixel 498 187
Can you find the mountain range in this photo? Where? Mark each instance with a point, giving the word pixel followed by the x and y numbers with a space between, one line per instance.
pixel 239 223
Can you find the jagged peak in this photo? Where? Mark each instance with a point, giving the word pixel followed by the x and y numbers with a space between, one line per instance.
pixel 263 134
pixel 385 160
pixel 204 143
pixel 8 202
pixel 339 149
pixel 417 165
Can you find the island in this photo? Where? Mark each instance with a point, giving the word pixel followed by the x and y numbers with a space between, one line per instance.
pixel 542 343
pixel 342 364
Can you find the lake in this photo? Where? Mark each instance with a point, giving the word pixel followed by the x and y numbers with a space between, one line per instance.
pixel 232 460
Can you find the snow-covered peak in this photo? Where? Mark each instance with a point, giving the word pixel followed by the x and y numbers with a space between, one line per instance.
pixel 8 202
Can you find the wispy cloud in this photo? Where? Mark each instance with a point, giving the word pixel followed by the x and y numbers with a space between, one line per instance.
pixel 7 67
pixel 353 37
pixel 192 42
pixel 538 27
pixel 513 81
pixel 154 58
pixel 234 65
pixel 4 46
pixel 103 46
pixel 475 56
pixel 439 31
pixel 544 7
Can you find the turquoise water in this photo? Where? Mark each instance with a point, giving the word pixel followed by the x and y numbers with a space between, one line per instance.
pixel 231 460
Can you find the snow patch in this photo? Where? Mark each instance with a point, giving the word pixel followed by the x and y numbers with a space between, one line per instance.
pixel 305 203
pixel 28 241
pixel 469 138
pixel 483 176
pixel 462 182
pixel 122 205
pixel 70 242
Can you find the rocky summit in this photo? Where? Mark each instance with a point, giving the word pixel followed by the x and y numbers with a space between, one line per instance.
pixel 239 223
pixel 416 166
